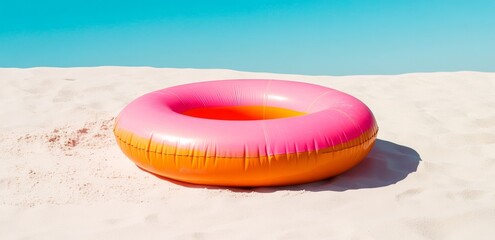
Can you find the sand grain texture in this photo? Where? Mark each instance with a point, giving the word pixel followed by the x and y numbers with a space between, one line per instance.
pixel 62 176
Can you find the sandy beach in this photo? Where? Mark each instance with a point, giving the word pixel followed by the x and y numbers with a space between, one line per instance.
pixel 430 175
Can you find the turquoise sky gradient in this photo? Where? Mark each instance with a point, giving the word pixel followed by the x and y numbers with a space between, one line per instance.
pixel 332 37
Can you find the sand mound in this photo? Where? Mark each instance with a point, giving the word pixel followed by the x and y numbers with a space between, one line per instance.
pixel 430 175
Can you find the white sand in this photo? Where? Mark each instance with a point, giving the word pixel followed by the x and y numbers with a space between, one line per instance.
pixel 430 176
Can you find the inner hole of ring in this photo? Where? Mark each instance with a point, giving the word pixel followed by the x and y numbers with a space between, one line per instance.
pixel 242 112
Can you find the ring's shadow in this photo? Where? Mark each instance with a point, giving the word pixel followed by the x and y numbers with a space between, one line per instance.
pixel 386 164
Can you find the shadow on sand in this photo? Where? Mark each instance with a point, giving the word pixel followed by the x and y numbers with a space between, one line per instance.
pixel 386 164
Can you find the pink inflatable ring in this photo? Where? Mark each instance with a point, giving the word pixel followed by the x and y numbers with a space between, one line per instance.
pixel 246 132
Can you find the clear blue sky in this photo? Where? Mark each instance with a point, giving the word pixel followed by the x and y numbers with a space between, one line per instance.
pixel 336 37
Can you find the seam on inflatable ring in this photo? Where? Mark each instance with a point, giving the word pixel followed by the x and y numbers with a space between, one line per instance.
pixel 265 97
pixel 374 135
pixel 308 108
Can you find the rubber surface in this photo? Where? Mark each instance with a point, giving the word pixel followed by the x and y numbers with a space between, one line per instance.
pixel 246 132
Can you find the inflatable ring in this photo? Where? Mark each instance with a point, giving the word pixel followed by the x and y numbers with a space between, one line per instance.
pixel 246 132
